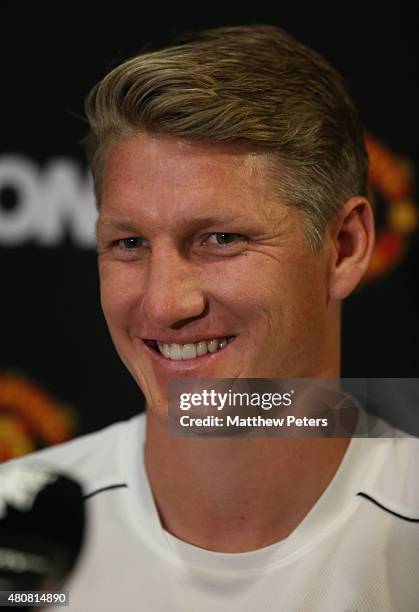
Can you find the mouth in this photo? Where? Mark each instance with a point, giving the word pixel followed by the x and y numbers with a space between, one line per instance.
pixel 189 351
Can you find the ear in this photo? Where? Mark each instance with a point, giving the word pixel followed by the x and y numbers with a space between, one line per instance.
pixel 352 238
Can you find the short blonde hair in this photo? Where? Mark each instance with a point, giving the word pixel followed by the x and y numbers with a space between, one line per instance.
pixel 255 85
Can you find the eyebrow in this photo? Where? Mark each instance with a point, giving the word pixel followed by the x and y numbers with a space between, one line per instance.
pixel 113 224
pixel 193 225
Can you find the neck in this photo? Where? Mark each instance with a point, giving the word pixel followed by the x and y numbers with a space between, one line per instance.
pixel 236 494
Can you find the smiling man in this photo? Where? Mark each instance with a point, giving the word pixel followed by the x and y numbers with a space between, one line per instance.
pixel 230 174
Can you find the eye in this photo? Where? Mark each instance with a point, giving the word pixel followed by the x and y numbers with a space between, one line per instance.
pixel 129 243
pixel 224 239
pixel 129 248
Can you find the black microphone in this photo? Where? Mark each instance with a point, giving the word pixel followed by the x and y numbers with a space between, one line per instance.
pixel 42 524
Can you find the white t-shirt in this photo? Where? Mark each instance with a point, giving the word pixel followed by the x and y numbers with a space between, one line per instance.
pixel 356 550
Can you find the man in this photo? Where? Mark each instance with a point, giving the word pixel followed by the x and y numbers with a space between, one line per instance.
pixel 230 175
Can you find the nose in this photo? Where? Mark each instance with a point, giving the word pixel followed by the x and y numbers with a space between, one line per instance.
pixel 173 292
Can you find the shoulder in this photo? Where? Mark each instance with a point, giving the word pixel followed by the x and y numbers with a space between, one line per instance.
pixel 395 487
pixel 95 459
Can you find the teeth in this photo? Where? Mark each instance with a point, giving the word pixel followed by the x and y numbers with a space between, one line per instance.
pixel 188 351
pixel 201 348
pixel 212 346
pixel 176 352
pixel 165 349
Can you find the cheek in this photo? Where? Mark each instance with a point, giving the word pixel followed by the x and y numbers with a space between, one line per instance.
pixel 235 290
pixel 120 290
pixel 307 304
pixel 292 299
pixel 249 296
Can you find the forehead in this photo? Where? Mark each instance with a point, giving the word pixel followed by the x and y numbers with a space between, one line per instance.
pixel 162 177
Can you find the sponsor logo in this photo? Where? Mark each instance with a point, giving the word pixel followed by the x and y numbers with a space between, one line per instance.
pixel 392 183
pixel 30 418
pixel 47 205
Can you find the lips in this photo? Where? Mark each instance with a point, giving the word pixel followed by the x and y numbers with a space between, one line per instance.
pixel 190 350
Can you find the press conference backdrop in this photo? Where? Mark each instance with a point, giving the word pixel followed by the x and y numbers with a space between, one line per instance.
pixel 59 374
